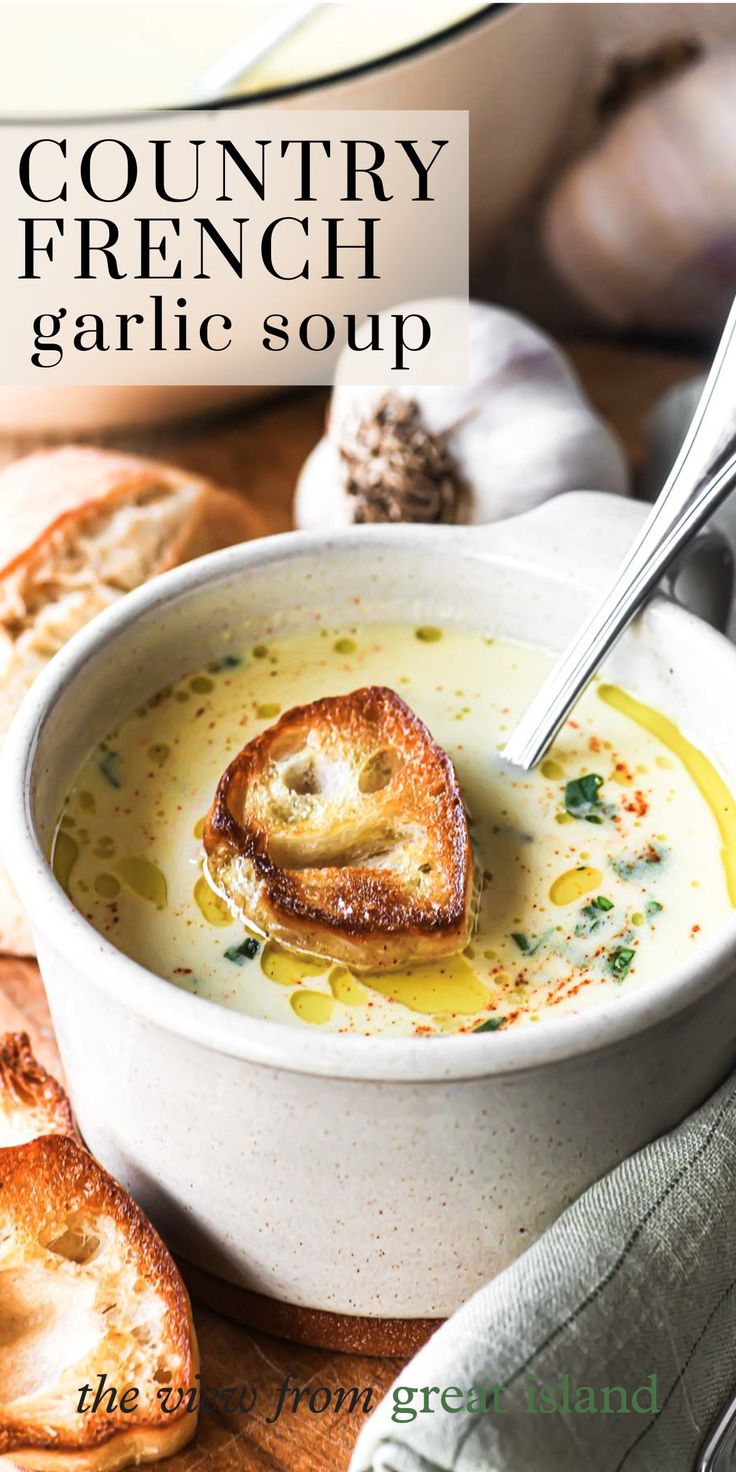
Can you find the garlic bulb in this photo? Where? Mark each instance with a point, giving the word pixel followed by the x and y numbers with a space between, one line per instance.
pixel 644 227
pixel 519 431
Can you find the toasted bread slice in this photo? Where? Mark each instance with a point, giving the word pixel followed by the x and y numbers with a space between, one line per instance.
pixel 87 1288
pixel 341 832
pixel 32 1103
pixel 78 528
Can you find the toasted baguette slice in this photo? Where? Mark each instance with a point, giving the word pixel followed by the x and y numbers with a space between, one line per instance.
pixel 87 1288
pixel 341 832
pixel 32 1103
pixel 78 528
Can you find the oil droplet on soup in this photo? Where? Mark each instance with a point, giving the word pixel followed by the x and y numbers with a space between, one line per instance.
pixel 573 880
pixel 288 968
pixel 66 853
pixel 573 884
pixel 209 904
pixel 313 1007
pixel 144 879
pixel 107 886
pixel 450 986
pixel 346 988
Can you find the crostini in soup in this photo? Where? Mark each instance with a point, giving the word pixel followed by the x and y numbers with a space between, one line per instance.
pixel 340 832
pixel 591 877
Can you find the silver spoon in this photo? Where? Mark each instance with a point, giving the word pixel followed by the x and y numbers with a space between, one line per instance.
pixel 701 478
pixel 718 1452
pixel 237 62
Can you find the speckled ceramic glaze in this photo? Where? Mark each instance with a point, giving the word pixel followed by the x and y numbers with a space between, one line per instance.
pixel 380 1177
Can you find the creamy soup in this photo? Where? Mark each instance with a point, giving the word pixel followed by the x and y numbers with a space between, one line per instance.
pixel 601 870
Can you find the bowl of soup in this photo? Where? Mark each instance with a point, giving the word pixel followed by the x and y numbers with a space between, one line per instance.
pixel 374 1146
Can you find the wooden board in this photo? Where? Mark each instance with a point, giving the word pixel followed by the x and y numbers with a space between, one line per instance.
pixel 259 452
pixel 230 1440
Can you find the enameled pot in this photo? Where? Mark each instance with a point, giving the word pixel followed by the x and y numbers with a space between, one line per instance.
pixel 363 1176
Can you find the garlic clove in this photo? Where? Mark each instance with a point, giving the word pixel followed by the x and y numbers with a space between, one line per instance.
pixel 565 451
pixel 643 227
pixel 501 346
pixel 320 500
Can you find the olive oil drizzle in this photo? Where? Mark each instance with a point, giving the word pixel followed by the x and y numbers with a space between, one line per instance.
pixel 708 781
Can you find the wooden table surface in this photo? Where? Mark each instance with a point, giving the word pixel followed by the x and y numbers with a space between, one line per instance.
pixel 258 452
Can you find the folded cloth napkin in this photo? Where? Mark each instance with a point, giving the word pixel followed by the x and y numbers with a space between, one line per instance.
pixel 633 1288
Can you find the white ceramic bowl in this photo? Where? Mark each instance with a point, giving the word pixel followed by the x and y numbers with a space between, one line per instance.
pixel 379 1177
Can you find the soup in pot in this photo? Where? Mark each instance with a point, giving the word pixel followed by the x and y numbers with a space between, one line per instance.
pixel 121 58
pixel 601 870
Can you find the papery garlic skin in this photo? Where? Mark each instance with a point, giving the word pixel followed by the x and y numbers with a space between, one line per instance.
pixel 643 228
pixel 519 432
pixel 320 500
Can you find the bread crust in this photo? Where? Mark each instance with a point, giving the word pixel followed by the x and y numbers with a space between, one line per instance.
pixel 56 490
pixel 54 577
pixel 125 1449
pixel 376 876
pixel 32 1103
pixel 45 1185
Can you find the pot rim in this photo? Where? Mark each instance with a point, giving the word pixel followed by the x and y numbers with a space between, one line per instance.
pixel 490 12
pixel 61 927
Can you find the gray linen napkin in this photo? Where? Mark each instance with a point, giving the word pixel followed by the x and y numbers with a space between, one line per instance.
pixel 636 1279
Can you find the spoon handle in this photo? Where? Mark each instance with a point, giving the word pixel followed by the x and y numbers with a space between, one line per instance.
pixel 701 478
pixel 237 62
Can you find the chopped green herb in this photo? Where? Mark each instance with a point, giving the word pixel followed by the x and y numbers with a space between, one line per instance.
pixel 110 768
pixel 246 951
pixel 592 914
pixel 230 661
pixel 651 908
pixel 639 866
pixel 492 1024
pixel 529 947
pixel 620 961
pixel 581 798
pixel 597 907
